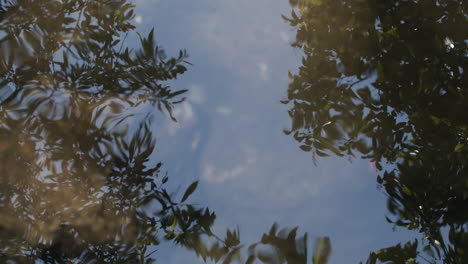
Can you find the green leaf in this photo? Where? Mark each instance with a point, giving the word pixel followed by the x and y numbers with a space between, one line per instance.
pixel 322 251
pixel 406 191
pixel 306 148
pixel 314 2
pixel 329 146
pixel 189 191
pixel 459 147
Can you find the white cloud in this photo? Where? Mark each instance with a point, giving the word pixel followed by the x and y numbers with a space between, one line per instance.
pixel 212 174
pixel 263 67
pixel 284 36
pixel 184 112
pixel 196 141
pixel 224 110
pixel 138 19
pixel 241 33
pixel 197 94
pixel 185 117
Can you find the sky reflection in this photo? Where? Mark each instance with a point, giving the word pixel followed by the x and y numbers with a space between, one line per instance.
pixel 116 146
pixel 230 132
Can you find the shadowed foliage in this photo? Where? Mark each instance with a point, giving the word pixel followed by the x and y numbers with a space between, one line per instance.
pixel 276 246
pixel 386 81
pixel 79 181
pixel 79 178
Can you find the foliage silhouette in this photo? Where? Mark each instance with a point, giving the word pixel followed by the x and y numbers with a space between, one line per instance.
pixel 78 178
pixel 79 181
pixel 276 246
pixel 386 80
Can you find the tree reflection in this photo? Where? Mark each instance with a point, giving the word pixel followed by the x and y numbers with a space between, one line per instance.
pixel 78 179
pixel 385 80
pixel 276 246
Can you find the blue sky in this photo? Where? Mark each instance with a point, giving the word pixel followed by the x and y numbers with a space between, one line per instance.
pixel 229 135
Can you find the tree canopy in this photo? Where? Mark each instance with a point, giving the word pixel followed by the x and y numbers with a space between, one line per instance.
pixel 79 181
pixel 79 177
pixel 386 81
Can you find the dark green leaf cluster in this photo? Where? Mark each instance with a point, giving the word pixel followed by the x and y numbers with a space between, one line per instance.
pixel 396 254
pixel 79 47
pixel 227 250
pixel 276 246
pixel 387 80
pixel 284 247
pixel 79 182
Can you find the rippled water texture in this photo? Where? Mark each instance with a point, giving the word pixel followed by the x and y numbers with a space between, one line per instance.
pixel 233 131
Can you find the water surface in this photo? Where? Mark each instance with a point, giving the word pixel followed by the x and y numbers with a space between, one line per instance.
pixel 183 132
